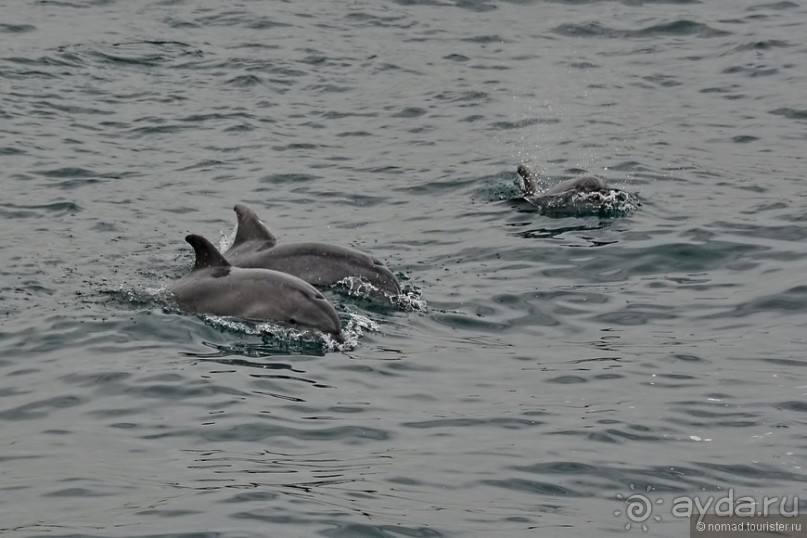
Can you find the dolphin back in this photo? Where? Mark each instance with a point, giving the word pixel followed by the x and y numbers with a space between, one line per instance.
pixel 321 264
pixel 579 184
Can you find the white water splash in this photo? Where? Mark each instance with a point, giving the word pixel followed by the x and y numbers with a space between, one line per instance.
pixel 573 203
pixel 409 299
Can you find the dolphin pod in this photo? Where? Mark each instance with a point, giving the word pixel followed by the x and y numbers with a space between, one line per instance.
pixel 215 287
pixel 319 264
pixel 257 278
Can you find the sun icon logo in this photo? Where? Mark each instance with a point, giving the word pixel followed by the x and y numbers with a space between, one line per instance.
pixel 638 508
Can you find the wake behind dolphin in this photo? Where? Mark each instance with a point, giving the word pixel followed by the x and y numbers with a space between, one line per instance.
pixel 215 287
pixel 580 196
pixel 319 264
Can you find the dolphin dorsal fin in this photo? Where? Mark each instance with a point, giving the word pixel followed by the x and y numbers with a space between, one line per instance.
pixel 206 254
pixel 250 228
pixel 530 180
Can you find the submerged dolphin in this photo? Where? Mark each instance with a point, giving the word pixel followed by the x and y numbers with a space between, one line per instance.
pixel 215 287
pixel 318 264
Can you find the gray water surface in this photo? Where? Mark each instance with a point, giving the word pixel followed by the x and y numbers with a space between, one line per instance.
pixel 543 370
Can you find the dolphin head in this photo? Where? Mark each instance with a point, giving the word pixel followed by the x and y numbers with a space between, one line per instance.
pixel 384 279
pixel 312 310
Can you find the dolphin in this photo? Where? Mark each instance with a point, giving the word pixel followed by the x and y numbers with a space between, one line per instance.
pixel 580 196
pixel 577 184
pixel 215 287
pixel 319 264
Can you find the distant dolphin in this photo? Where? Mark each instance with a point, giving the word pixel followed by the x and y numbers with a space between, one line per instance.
pixel 215 287
pixel 318 264
pixel 578 184
pixel 580 196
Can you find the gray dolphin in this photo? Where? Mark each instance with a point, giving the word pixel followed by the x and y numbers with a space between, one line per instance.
pixel 318 264
pixel 576 197
pixel 215 287
pixel 577 184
